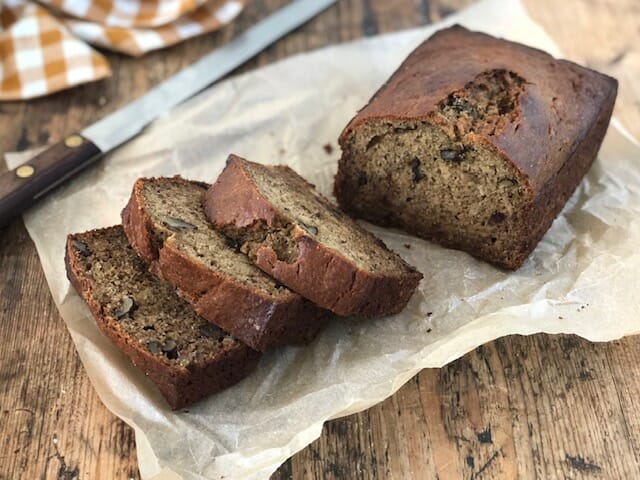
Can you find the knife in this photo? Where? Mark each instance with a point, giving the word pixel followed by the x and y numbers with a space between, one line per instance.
pixel 23 186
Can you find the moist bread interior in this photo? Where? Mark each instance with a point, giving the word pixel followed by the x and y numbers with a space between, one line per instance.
pixel 146 308
pixel 301 205
pixel 175 208
pixel 438 177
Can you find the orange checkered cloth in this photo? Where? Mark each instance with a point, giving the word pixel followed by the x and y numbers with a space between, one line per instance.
pixel 44 45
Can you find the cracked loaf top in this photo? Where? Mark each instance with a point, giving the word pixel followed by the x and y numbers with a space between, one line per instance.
pixel 556 100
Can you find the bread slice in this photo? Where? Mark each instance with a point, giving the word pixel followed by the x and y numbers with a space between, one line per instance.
pixel 183 354
pixel 165 224
pixel 301 239
pixel 476 143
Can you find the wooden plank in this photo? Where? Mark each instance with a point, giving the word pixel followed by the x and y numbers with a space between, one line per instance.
pixel 521 407
pixel 602 35
pixel 53 424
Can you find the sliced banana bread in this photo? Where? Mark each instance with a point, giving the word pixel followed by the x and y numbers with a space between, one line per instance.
pixel 297 236
pixel 474 142
pixel 165 224
pixel 183 354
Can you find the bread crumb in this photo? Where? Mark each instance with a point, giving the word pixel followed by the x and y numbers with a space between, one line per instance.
pixel 328 148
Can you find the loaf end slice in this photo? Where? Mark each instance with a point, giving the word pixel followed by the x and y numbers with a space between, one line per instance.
pixel 165 223
pixel 476 143
pixel 186 357
pixel 296 235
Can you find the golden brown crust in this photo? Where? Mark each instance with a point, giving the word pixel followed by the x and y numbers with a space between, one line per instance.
pixel 260 321
pixel 320 274
pixel 563 114
pixel 180 386
pixel 552 197
pixel 559 95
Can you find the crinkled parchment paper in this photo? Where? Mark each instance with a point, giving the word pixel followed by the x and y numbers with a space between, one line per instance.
pixel 583 277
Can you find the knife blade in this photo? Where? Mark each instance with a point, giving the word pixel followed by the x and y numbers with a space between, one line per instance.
pixel 24 185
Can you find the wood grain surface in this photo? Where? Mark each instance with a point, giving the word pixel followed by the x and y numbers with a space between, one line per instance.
pixel 519 407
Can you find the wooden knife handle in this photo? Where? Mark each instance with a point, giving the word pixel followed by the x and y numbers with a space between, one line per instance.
pixel 21 187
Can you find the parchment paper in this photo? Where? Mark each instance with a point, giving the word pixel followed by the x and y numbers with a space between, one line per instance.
pixel 583 278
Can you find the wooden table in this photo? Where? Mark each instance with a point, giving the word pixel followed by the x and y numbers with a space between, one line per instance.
pixel 528 407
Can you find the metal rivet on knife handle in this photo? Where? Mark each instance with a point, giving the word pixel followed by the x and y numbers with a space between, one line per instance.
pixel 21 187
pixel 25 171
pixel 73 141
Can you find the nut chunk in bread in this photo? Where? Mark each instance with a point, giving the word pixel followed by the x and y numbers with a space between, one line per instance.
pixel 165 224
pixel 297 236
pixel 476 143
pixel 183 354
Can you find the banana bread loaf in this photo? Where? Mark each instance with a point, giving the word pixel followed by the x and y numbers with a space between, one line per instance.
pixel 475 143
pixel 165 224
pixel 298 237
pixel 183 354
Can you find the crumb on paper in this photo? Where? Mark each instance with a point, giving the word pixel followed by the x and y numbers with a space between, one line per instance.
pixel 328 148
pixel 282 151
pixel 485 436
pixel 429 314
pixel 407 246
